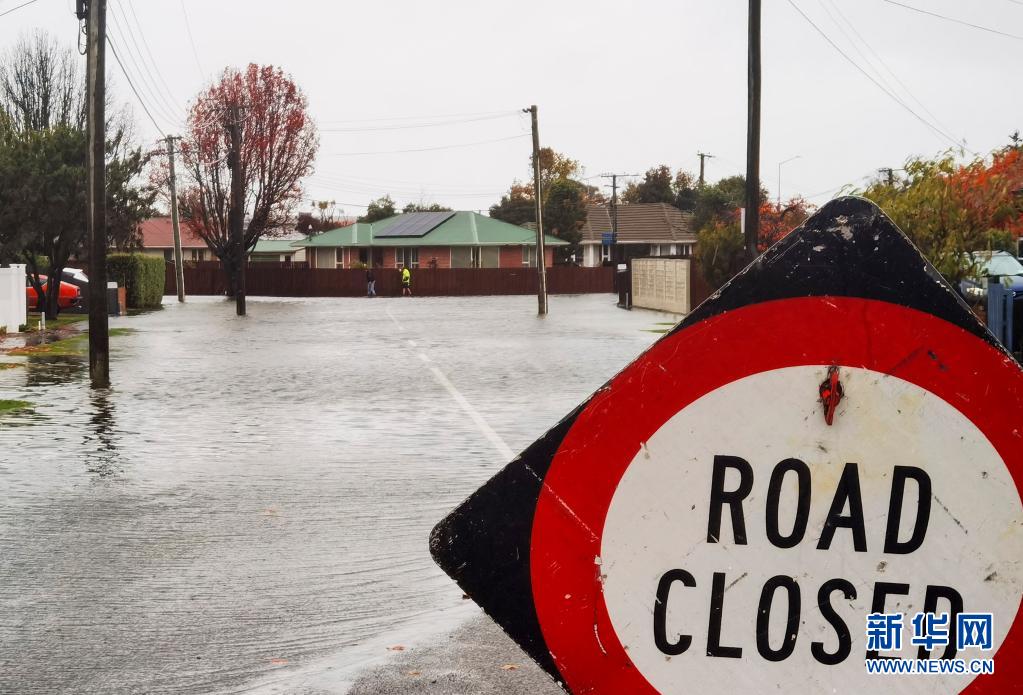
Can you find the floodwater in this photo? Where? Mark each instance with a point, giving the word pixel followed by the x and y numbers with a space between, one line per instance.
pixel 252 499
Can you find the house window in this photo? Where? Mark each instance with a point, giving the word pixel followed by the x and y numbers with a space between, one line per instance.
pixel 287 258
pixel 605 253
pixel 168 254
pixel 475 257
pixel 339 258
pixel 655 249
pixel 364 256
pixel 406 256
pixel 529 255
pixel 198 254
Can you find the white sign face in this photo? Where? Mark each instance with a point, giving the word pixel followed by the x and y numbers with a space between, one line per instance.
pixel 727 550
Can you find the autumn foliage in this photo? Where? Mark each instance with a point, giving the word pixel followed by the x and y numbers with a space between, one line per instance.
pixel 950 208
pixel 721 250
pixel 279 144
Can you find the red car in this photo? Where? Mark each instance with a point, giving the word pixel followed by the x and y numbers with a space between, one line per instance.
pixel 69 295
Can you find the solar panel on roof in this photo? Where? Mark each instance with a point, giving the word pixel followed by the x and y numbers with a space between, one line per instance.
pixel 414 224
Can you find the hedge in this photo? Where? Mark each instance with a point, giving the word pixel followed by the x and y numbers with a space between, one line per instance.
pixel 142 277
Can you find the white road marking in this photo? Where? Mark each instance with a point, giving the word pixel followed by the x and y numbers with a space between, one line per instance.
pixel 486 430
pixel 389 314
pixel 481 424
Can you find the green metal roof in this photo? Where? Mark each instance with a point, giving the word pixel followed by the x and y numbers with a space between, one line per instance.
pixel 462 229
pixel 275 246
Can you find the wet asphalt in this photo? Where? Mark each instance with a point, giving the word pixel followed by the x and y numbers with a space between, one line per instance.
pixel 247 508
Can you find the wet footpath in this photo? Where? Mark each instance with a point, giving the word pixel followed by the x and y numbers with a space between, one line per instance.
pixel 247 509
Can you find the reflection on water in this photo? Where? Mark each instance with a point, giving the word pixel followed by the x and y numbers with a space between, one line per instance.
pixel 253 494
pixel 100 435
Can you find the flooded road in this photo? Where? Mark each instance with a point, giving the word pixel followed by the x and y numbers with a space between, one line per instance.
pixel 254 495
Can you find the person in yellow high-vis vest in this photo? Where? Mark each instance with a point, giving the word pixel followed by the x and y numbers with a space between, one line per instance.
pixel 406 282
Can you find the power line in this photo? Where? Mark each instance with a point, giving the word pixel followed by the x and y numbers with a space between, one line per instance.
pixel 191 40
pixel 417 125
pixel 848 37
pixel 429 149
pixel 17 7
pixel 423 118
pixel 146 79
pixel 156 66
pixel 398 191
pixel 880 86
pixel 884 65
pixel 399 183
pixel 956 21
pixel 124 72
pixel 140 86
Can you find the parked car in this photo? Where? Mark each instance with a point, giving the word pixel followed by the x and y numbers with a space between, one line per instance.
pixel 68 295
pixel 1001 264
pixel 1009 271
pixel 75 276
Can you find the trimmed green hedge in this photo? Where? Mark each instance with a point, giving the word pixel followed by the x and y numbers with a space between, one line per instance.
pixel 142 277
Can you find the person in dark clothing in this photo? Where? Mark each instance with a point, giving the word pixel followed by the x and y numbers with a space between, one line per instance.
pixel 371 283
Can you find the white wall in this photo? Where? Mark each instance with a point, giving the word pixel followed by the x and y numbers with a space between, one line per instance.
pixel 13 303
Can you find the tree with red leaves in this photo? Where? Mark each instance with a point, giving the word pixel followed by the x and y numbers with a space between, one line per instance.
pixel 720 249
pixel 279 144
pixel 951 208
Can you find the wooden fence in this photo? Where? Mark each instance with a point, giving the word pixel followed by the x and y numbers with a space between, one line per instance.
pixel 279 280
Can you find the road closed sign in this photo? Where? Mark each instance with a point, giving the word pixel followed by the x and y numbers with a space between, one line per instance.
pixel 811 484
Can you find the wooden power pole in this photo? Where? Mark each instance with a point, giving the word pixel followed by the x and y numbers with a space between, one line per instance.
pixel 179 269
pixel 753 134
pixel 99 339
pixel 702 156
pixel 615 255
pixel 541 251
pixel 237 215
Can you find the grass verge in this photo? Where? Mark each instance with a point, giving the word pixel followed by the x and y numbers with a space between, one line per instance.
pixel 10 406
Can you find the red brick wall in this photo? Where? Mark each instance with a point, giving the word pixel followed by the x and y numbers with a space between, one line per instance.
pixel 511 256
pixel 441 253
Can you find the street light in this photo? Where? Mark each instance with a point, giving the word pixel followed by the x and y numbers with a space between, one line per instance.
pixel 798 156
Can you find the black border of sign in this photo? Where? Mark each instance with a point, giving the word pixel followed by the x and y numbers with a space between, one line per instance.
pixel 849 248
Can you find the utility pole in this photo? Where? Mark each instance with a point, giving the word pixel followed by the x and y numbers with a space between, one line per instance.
pixel 614 206
pixel 702 156
pixel 753 134
pixel 541 252
pixel 237 215
pixel 891 175
pixel 614 213
pixel 99 338
pixel 179 270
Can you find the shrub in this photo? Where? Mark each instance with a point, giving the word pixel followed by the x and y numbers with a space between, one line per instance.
pixel 142 277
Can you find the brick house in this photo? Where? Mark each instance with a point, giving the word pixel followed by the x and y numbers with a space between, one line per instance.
pixel 158 240
pixel 427 240
pixel 644 229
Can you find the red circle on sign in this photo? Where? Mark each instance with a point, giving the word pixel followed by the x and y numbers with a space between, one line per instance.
pixel 972 376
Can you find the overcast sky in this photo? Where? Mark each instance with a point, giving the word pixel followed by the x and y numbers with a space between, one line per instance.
pixel 620 87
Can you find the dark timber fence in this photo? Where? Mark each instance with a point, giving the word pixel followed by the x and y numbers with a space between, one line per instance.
pixel 282 280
